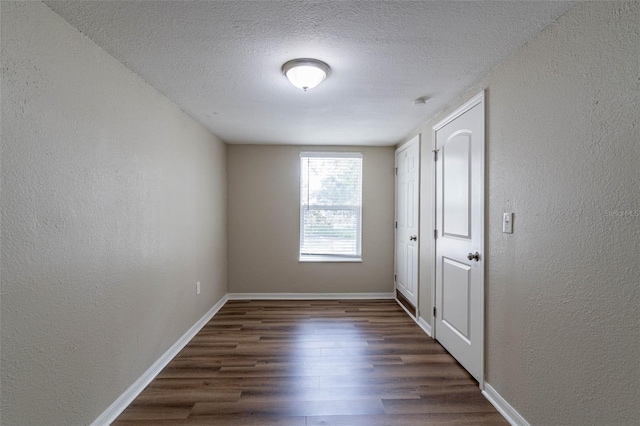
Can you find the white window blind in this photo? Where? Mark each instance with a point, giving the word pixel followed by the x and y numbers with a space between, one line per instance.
pixel 330 205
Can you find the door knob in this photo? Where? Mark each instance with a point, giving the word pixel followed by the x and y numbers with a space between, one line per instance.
pixel 413 238
pixel 474 256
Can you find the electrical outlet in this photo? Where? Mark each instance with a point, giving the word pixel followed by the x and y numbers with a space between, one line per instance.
pixel 198 288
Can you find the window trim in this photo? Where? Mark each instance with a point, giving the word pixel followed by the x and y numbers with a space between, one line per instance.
pixel 330 258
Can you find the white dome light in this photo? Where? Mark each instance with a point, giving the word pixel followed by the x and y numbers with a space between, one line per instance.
pixel 306 73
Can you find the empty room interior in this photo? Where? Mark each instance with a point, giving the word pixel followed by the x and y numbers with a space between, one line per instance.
pixel 440 227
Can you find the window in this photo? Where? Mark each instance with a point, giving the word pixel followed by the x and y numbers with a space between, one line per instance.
pixel 330 206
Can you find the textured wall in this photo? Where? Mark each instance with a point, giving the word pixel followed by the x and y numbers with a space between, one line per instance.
pixel 263 224
pixel 563 152
pixel 113 206
pixel 384 54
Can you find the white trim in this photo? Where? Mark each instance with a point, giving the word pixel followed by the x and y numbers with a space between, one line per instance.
pixel 112 412
pixel 306 207
pixel 434 186
pixel 421 323
pixel 415 140
pixel 319 258
pixel 434 238
pixel 503 407
pixel 308 296
pixel 461 110
pixel 405 309
pixel 406 143
pixel 479 99
pixel 119 405
pixel 424 326
pixel 476 100
pixel 331 154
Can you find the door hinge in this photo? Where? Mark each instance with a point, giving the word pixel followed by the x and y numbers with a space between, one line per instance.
pixel 396 225
pixel 395 277
pixel 396 171
pixel 435 154
pixel 435 234
pixel 434 311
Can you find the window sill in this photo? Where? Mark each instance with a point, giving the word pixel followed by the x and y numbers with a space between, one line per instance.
pixel 329 259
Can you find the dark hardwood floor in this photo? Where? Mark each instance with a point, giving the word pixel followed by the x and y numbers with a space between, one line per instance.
pixel 333 362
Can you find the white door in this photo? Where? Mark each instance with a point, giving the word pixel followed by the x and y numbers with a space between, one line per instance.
pixel 407 210
pixel 459 290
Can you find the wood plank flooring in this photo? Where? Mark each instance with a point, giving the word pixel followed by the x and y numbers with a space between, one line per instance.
pixel 320 362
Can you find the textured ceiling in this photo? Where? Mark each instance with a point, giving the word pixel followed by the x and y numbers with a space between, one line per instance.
pixel 220 61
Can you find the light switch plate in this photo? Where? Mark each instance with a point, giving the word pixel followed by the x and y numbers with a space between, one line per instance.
pixel 198 288
pixel 507 223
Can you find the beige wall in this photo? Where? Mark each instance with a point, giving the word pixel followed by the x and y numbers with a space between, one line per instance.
pixel 563 154
pixel 113 206
pixel 264 221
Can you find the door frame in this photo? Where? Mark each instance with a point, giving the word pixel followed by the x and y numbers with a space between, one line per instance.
pixel 417 139
pixel 475 100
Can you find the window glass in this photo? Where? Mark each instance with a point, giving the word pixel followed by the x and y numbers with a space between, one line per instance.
pixel 330 205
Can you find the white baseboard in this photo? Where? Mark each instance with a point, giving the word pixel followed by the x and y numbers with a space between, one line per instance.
pixel 503 407
pixel 413 317
pixel 120 404
pixel 308 296
pixel 421 323
pixel 426 327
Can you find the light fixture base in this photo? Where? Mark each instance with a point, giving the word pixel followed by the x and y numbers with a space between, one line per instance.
pixel 306 73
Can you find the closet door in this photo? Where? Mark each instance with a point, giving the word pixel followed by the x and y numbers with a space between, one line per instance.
pixel 407 217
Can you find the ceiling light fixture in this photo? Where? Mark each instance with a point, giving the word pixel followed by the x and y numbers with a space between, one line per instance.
pixel 306 73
